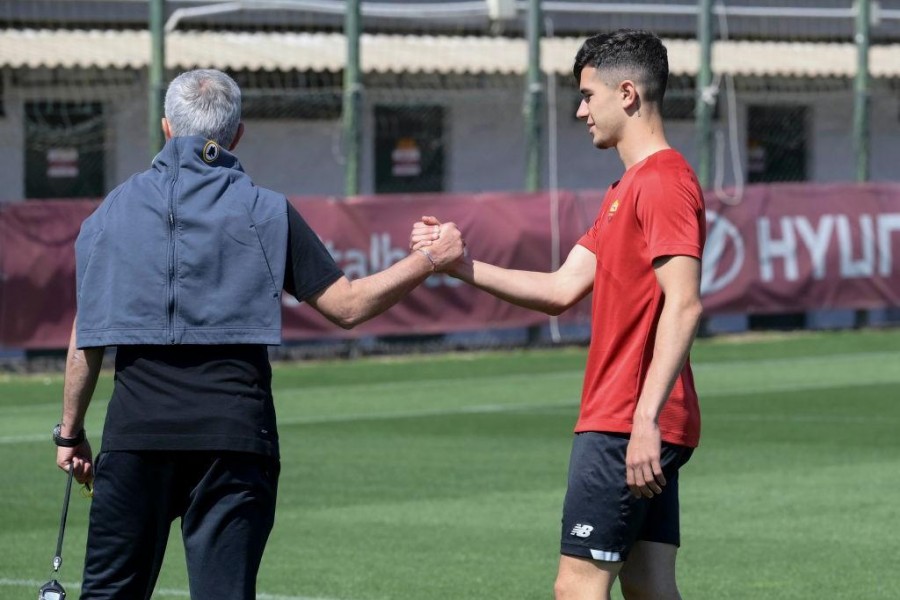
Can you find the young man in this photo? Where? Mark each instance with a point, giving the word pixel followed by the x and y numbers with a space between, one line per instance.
pixel 181 268
pixel 639 418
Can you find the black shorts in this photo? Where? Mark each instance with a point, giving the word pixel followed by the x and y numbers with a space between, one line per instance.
pixel 601 519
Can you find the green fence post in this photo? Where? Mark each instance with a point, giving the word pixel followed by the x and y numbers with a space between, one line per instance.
pixel 534 93
pixel 352 99
pixel 156 72
pixel 704 109
pixel 861 109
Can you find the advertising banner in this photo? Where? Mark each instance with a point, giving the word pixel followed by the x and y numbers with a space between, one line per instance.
pixel 780 248
pixel 367 235
pixel 37 271
pixel 789 248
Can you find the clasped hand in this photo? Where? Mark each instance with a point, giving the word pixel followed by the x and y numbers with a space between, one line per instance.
pixel 443 241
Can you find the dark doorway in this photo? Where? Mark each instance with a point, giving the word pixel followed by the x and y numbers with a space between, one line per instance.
pixel 64 150
pixel 776 143
pixel 776 152
pixel 409 149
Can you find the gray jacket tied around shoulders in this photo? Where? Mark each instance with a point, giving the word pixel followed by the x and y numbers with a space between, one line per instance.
pixel 190 251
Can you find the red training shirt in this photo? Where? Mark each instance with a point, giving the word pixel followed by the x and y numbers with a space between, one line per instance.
pixel 655 210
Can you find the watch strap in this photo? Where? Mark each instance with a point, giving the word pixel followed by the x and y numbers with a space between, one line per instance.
pixel 68 442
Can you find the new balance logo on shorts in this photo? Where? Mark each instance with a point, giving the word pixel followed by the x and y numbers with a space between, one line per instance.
pixel 582 531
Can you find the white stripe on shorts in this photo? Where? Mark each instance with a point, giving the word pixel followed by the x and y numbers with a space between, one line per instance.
pixel 607 556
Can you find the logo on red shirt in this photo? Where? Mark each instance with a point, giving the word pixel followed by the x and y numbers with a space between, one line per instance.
pixel 612 210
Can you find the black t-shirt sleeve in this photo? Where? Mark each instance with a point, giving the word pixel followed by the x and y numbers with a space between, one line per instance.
pixel 310 267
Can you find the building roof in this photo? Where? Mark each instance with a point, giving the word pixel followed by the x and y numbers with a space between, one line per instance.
pixel 129 49
pixel 798 20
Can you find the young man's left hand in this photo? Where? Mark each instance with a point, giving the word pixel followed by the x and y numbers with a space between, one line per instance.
pixel 644 474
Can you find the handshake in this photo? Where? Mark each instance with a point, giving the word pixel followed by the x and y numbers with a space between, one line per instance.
pixel 441 243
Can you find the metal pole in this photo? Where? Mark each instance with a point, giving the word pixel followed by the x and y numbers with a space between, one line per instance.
pixel 705 101
pixel 861 90
pixel 861 109
pixel 534 99
pixel 671 8
pixel 352 104
pixel 156 74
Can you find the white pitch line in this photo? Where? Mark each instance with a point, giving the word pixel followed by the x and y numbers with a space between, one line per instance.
pixel 498 408
pixel 864 357
pixel 33 583
pixel 785 388
pixel 415 414
pixel 844 419
pixel 349 418
pixel 21 439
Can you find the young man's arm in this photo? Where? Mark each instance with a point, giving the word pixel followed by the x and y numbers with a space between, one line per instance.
pixel 82 371
pixel 550 293
pixel 349 303
pixel 679 279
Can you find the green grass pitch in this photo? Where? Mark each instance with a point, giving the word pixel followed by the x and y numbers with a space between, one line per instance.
pixel 442 477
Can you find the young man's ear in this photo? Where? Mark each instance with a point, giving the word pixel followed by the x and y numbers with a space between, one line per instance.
pixel 237 136
pixel 628 93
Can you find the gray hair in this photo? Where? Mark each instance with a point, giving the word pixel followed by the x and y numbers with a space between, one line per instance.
pixel 204 102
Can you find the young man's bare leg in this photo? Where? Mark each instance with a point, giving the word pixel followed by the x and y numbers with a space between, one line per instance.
pixel 649 572
pixel 584 579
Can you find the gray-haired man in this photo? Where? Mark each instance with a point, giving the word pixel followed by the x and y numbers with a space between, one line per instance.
pixel 181 268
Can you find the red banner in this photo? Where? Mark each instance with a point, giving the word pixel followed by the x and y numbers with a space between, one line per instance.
pixel 37 271
pixel 781 248
pixel 367 235
pixel 794 247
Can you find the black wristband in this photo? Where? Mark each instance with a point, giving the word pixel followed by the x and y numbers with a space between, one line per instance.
pixel 65 442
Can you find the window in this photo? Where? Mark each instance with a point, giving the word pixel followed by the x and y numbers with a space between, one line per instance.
pixel 64 149
pixel 776 151
pixel 409 149
pixel 776 143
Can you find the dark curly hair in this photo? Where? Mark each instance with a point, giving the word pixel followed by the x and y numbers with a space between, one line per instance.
pixel 640 54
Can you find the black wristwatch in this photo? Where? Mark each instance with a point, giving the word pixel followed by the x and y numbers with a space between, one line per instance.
pixel 66 442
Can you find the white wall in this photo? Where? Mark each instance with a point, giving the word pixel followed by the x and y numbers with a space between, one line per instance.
pixel 293 157
pixel 485 141
pixel 12 151
pixel 128 144
pixel 831 157
pixel 884 156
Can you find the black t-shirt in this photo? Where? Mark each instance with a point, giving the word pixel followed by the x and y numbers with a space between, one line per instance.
pixel 216 397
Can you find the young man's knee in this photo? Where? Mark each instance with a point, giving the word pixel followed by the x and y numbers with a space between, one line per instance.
pixel 561 588
pixel 584 579
pixel 572 588
pixel 565 587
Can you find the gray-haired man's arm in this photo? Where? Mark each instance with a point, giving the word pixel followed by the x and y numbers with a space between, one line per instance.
pixel 82 371
pixel 349 303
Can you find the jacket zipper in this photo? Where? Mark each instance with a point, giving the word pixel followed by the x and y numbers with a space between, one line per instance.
pixel 170 287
